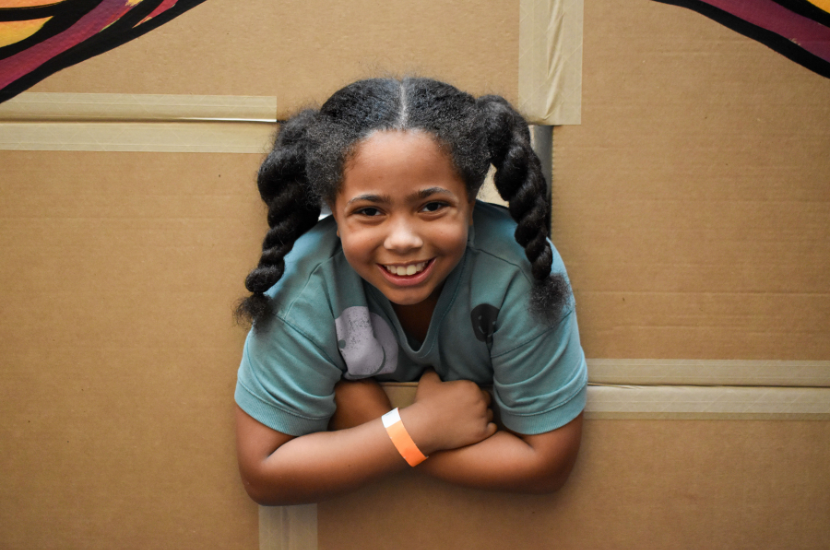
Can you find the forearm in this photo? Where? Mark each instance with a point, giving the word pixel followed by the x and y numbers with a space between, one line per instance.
pixel 320 465
pixel 507 462
pixel 278 469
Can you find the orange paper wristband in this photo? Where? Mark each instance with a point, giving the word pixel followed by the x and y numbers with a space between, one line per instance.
pixel 401 439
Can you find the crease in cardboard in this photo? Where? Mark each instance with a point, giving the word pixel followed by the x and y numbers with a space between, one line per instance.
pixel 137 122
pixel 550 61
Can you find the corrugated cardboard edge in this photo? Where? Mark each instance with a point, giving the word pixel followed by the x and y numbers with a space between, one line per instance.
pixel 550 61
pixel 137 122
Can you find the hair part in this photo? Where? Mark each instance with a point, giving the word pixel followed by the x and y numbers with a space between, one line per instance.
pixel 312 150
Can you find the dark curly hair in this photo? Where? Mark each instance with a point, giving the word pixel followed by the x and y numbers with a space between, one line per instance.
pixel 305 169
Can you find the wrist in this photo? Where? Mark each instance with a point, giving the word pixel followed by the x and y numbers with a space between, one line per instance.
pixel 416 421
pixel 401 439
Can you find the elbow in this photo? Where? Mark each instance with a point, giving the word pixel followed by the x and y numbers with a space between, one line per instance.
pixel 547 482
pixel 264 491
pixel 256 491
pixel 267 496
pixel 551 471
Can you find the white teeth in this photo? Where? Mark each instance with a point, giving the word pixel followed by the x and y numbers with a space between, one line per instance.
pixel 408 270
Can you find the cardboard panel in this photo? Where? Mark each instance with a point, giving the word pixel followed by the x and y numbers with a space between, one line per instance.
pixel 302 51
pixel 692 205
pixel 637 484
pixel 119 275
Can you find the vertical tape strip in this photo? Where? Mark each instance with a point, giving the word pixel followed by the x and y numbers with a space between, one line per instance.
pixel 550 61
pixel 288 527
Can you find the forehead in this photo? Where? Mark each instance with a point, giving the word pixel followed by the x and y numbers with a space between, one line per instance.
pixel 399 161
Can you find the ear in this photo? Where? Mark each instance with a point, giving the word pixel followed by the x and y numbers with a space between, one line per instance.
pixel 470 212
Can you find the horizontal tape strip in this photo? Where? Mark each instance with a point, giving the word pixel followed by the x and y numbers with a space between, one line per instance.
pixel 716 402
pixel 694 372
pixel 45 107
pixel 707 402
pixel 197 137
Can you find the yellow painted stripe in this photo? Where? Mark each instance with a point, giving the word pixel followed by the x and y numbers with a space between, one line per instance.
pixel 823 4
pixel 12 32
pixel 26 3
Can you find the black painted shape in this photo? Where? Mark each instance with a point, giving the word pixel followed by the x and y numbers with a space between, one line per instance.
pixel 484 318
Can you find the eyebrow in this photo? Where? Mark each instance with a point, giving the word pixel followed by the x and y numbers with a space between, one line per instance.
pixel 422 194
pixel 371 198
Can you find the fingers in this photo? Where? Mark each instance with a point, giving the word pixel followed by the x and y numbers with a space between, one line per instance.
pixel 487 398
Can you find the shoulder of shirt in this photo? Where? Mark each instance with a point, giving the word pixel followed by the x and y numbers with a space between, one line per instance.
pixel 493 235
pixel 313 250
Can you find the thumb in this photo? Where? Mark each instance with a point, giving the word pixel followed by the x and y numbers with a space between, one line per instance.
pixel 491 429
pixel 429 377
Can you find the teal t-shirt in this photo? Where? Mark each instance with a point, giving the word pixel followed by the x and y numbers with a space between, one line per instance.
pixel 329 324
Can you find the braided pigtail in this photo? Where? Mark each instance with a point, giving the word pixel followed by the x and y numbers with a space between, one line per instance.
pixel 519 181
pixel 292 210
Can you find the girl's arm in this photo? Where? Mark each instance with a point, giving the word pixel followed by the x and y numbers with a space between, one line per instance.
pixel 279 469
pixel 512 462
pixel 506 461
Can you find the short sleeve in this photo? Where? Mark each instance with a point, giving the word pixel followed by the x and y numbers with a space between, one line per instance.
pixel 540 384
pixel 286 382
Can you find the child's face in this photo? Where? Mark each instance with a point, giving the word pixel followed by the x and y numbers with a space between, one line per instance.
pixel 402 215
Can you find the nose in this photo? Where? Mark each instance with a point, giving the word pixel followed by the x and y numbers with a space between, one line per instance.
pixel 403 236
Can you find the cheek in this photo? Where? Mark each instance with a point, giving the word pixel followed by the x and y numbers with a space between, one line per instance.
pixel 452 238
pixel 357 245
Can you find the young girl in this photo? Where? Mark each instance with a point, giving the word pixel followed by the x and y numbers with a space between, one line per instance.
pixel 410 279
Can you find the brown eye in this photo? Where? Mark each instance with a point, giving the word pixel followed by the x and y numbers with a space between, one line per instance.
pixel 369 211
pixel 434 206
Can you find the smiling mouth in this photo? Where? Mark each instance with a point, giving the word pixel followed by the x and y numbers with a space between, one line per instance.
pixel 406 270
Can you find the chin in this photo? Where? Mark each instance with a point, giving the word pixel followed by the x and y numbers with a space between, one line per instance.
pixel 406 300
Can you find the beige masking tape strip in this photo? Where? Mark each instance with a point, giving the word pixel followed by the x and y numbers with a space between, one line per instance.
pixel 696 402
pixel 550 61
pixel 137 122
pixel 683 401
pixel 288 527
pixel 47 107
pixel 169 137
pixel 694 372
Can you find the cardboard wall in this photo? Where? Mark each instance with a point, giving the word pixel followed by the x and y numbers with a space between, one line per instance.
pixel 691 207
pixel 302 51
